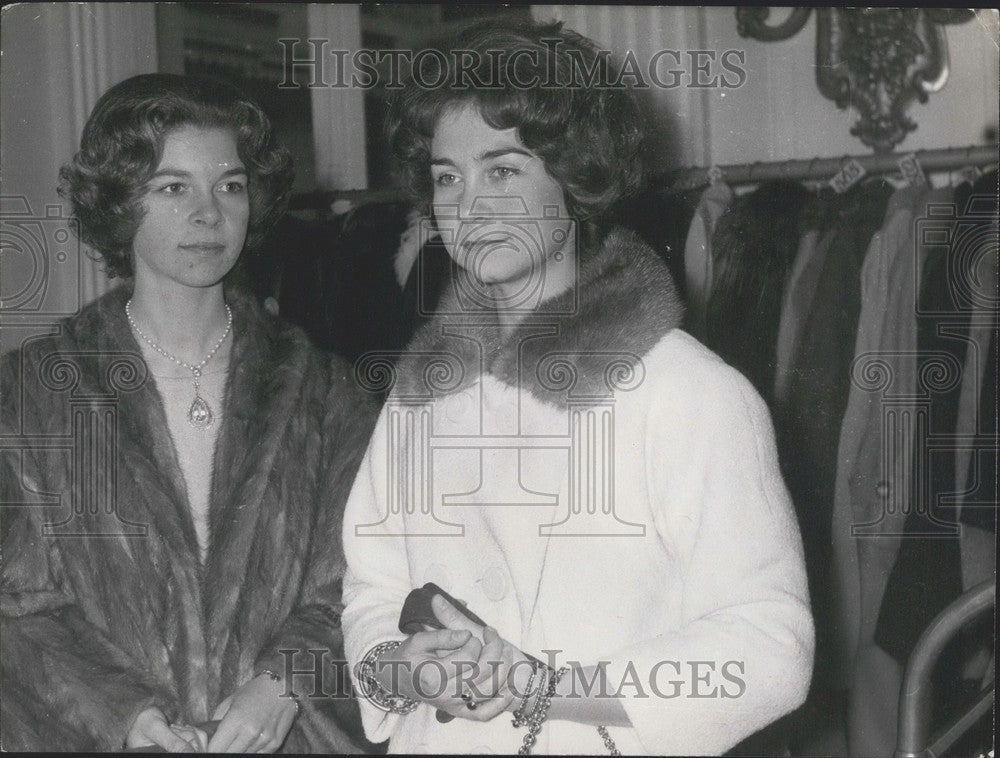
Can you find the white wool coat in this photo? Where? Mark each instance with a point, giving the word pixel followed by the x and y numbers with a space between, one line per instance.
pixel 639 519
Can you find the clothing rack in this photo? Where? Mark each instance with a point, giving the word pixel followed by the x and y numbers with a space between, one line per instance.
pixel 814 169
pixel 947 159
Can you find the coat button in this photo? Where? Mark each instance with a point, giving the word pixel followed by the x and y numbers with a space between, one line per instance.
pixel 461 406
pixel 438 574
pixel 494 583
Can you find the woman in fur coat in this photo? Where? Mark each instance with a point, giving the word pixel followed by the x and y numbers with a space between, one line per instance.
pixel 599 490
pixel 177 462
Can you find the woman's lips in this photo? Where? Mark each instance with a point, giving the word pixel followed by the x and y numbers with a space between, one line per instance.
pixel 480 241
pixel 205 247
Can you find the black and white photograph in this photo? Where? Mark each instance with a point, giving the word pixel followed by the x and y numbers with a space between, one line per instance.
pixel 453 379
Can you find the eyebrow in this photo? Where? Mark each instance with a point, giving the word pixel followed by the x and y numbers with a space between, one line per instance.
pixel 239 170
pixel 504 151
pixel 488 155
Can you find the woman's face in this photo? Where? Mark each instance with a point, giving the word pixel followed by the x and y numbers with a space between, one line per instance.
pixel 502 217
pixel 196 211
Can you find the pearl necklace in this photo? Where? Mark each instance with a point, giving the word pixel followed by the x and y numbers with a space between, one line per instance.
pixel 200 413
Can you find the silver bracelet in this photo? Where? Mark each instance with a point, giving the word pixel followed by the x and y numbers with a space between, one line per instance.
pixel 521 714
pixel 277 678
pixel 540 712
pixel 371 688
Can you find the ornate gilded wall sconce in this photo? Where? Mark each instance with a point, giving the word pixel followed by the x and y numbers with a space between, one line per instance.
pixel 877 60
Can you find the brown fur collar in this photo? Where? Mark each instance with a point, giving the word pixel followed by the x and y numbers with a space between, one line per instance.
pixel 584 343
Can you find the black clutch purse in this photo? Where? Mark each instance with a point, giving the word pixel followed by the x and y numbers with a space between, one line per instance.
pixel 418 615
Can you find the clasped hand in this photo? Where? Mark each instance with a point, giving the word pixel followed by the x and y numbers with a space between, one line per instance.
pixel 254 719
pixel 439 666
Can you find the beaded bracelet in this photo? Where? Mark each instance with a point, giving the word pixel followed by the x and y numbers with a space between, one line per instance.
pixel 293 695
pixel 521 713
pixel 609 743
pixel 547 673
pixel 540 712
pixel 371 688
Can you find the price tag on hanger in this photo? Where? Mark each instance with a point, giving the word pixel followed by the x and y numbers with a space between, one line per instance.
pixel 911 170
pixel 849 175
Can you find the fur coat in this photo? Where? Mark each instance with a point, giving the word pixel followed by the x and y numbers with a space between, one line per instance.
pixel 596 484
pixel 106 606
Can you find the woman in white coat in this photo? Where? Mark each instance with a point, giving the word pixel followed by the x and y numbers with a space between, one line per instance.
pixel 595 485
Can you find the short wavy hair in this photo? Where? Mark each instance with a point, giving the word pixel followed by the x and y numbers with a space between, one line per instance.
pixel 589 137
pixel 122 145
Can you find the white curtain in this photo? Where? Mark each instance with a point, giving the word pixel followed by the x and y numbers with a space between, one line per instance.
pixel 338 113
pixel 58 58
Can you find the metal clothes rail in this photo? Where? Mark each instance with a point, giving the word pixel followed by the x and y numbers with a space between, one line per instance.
pixel 947 159
pixel 809 169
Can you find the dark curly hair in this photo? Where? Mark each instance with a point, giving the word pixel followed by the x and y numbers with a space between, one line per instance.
pixel 589 137
pixel 122 145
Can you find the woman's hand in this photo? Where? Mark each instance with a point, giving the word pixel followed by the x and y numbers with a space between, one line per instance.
pixel 192 734
pixel 498 679
pixel 151 728
pixel 428 665
pixel 513 672
pixel 254 719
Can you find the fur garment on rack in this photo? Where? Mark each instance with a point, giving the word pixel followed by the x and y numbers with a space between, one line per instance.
pixel 753 248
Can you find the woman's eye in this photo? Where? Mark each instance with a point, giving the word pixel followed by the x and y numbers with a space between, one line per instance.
pixel 505 172
pixel 445 180
pixel 234 186
pixel 174 188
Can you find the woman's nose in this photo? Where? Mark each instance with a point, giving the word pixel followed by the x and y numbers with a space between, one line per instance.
pixel 482 203
pixel 206 210
pixel 485 200
pixel 468 201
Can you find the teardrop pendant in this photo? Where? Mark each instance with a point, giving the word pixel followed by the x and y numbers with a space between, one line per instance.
pixel 200 413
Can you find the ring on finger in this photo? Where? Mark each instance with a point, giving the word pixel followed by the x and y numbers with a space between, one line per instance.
pixel 470 702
